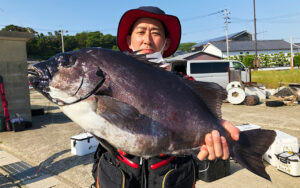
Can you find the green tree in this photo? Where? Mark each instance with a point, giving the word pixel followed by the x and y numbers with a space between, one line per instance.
pixel 265 60
pixel 43 46
pixel 248 60
pixel 237 58
pixel 280 59
pixel 19 29
pixel 108 41
pixel 81 39
pixel 94 39
pixel 185 47
pixel 115 47
pixel 297 60
pixel 70 43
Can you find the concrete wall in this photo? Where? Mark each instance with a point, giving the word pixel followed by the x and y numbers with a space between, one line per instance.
pixel 13 68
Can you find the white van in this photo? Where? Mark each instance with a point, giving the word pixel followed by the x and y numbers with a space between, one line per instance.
pixel 210 70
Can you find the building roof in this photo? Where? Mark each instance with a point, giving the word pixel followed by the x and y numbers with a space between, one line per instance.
pixel 249 45
pixel 223 38
pixel 185 56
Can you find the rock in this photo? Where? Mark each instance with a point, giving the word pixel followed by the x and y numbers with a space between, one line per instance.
pixel 284 92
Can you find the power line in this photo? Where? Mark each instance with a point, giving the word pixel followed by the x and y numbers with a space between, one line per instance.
pixel 201 16
pixel 281 16
pixel 237 20
pixel 204 30
pixel 265 19
pixel 280 21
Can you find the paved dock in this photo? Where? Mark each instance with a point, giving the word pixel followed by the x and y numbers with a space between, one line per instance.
pixel 41 156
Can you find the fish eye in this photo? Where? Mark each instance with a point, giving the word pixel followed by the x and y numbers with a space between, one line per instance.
pixel 67 60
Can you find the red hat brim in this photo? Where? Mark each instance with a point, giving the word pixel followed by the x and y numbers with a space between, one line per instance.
pixel 171 23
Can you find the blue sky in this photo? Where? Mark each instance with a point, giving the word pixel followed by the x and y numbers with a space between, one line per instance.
pixel 276 19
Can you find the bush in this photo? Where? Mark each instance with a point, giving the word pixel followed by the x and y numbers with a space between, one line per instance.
pixel 248 60
pixel 268 60
pixel 297 60
pixel 265 60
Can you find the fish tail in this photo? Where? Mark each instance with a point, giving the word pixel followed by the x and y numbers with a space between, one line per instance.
pixel 250 147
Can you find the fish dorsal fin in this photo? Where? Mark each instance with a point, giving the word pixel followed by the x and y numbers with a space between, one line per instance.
pixel 211 93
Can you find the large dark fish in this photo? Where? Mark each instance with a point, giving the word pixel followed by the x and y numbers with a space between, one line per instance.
pixel 139 108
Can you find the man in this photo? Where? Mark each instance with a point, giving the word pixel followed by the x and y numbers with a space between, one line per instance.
pixel 148 30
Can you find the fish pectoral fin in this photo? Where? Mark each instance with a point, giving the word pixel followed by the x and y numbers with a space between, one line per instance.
pixel 115 111
pixel 211 93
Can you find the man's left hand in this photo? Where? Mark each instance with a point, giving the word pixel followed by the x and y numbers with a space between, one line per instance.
pixel 216 145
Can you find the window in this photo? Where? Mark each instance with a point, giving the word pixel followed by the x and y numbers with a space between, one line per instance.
pixel 213 67
pixel 237 66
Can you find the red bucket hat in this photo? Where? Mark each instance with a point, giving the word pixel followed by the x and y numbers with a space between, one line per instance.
pixel 171 23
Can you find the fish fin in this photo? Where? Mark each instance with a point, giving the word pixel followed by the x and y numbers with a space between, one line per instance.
pixel 250 147
pixel 211 93
pixel 115 111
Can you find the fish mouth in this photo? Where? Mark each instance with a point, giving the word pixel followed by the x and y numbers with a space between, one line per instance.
pixel 39 80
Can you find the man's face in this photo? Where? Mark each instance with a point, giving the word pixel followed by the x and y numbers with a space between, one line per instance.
pixel 148 35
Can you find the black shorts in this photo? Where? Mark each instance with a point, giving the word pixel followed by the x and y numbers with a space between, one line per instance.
pixel 110 172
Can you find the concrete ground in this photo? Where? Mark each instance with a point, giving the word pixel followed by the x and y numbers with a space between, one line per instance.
pixel 41 157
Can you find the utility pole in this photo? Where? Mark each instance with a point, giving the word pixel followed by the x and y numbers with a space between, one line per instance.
pixel 62 39
pixel 256 60
pixel 292 54
pixel 225 13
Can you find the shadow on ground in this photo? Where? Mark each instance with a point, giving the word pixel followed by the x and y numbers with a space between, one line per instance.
pixel 46 108
pixel 56 167
pixel 49 118
pixel 23 172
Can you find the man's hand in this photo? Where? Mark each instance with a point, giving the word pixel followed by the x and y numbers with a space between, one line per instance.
pixel 216 145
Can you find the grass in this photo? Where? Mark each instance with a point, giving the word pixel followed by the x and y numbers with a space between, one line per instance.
pixel 275 79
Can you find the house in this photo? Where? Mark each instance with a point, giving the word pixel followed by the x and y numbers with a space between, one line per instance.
pixel 241 43
pixel 297 45
pixel 248 47
pixel 198 55
pixel 240 36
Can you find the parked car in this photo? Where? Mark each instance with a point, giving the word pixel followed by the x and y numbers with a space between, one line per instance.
pixel 210 70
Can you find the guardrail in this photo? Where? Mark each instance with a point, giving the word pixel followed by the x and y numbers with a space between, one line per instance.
pixel 276 68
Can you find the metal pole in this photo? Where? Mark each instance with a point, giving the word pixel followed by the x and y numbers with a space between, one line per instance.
pixel 62 40
pixel 255 63
pixel 226 22
pixel 292 54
